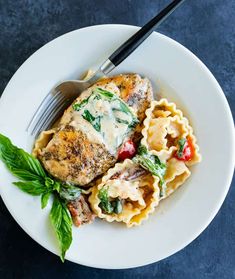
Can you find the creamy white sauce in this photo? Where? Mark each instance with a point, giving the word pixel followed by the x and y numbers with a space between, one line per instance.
pixel 112 133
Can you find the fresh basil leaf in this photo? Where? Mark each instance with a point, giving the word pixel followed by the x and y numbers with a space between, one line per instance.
pixel 36 182
pixel 44 199
pixel 52 184
pixel 26 175
pixel 34 188
pixel 70 192
pixel 181 143
pixel 105 204
pixel 20 163
pixel 49 182
pixel 153 164
pixel 62 223
pixel 57 186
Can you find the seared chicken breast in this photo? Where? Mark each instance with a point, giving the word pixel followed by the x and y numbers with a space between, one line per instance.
pixel 94 127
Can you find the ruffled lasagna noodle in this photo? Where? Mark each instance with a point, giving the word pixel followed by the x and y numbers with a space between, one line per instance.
pixel 164 126
pixel 136 188
pixel 176 174
pixel 42 141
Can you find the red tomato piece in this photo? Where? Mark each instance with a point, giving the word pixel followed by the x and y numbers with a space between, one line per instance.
pixel 188 151
pixel 128 150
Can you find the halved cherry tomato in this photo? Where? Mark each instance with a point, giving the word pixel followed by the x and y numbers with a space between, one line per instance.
pixel 188 151
pixel 128 150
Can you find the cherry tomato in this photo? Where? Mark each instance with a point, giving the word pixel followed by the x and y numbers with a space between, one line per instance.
pixel 188 151
pixel 128 150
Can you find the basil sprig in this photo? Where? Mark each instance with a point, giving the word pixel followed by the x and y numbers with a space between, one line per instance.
pixel 35 181
pixel 153 164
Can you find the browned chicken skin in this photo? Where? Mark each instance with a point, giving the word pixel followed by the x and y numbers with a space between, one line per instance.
pixel 71 155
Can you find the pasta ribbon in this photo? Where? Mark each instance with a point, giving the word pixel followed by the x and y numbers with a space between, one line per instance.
pixel 136 188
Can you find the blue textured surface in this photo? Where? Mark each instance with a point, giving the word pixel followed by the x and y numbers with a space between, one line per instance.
pixel 207 28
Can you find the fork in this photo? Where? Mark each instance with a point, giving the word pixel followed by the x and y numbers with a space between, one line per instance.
pixel 59 98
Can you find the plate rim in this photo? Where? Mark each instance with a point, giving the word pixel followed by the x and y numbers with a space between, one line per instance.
pixel 229 120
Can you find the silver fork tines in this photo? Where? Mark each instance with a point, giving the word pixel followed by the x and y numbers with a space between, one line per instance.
pixel 50 110
pixel 42 112
pixel 56 101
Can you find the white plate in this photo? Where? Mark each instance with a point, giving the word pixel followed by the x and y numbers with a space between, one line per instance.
pixel 181 77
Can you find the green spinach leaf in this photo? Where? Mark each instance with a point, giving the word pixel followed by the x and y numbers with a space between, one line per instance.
pixel 105 204
pixel 153 164
pixel 95 121
pixel 104 93
pixel 79 106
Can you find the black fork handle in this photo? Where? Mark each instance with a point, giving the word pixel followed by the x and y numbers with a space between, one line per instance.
pixel 131 44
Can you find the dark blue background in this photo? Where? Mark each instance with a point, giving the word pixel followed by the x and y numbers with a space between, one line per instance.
pixel 207 28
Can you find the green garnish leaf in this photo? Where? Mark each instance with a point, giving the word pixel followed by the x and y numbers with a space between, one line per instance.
pixel 153 164
pixel 105 204
pixel 44 199
pixel 57 186
pixel 25 175
pixel 36 182
pixel 20 163
pixel 70 192
pixel 62 223
pixel 34 188
pixel 181 143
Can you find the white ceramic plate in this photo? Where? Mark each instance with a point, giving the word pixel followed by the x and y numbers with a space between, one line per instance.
pixel 178 75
